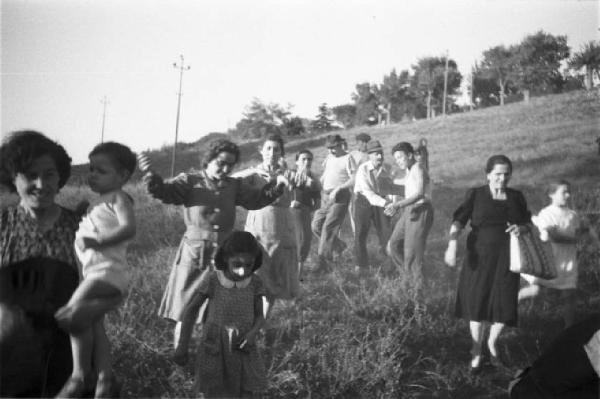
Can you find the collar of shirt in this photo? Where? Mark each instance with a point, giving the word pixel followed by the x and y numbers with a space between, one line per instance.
pixel 227 283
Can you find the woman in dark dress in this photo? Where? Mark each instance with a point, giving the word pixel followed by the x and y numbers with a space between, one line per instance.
pixel 487 289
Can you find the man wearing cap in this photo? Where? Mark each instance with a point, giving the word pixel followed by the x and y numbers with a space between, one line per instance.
pixel 337 182
pixel 372 189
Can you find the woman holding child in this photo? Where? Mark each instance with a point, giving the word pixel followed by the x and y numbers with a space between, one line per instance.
pixel 487 289
pixel 36 238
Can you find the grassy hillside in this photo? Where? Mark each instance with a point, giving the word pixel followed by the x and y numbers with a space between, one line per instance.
pixel 351 336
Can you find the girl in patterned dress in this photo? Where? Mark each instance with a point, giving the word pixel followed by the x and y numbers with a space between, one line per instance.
pixel 229 364
pixel 563 227
pixel 101 246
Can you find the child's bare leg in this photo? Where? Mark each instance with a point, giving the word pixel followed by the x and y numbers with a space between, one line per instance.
pixel 102 355
pixel 90 301
pixel 568 308
pixel 183 335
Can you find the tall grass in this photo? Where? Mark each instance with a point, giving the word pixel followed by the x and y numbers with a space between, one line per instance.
pixel 372 336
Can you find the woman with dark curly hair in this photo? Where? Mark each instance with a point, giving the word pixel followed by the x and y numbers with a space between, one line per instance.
pixel 36 249
pixel 209 198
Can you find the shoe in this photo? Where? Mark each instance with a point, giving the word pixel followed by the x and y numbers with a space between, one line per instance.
pixel 476 365
pixel 180 357
pixel 108 387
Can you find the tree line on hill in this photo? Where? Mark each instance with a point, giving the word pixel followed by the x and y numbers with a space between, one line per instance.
pixel 504 74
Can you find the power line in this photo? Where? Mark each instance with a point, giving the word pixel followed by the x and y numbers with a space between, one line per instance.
pixel 181 68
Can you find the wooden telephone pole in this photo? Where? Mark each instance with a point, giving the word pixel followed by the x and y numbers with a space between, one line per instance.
pixel 445 85
pixel 181 68
pixel 104 102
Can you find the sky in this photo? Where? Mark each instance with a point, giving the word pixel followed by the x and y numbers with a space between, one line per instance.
pixel 60 58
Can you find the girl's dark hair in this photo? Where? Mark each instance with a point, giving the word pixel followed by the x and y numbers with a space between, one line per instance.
pixel 555 184
pixel 238 242
pixel 218 146
pixel 120 154
pixel 304 151
pixel 21 148
pixel 403 146
pixel 276 138
pixel 498 160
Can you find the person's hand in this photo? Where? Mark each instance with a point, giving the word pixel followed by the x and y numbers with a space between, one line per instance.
pixel 333 194
pixel 246 342
pixel 390 209
pixel 450 254
pixel 282 180
pixel 144 163
pixel 300 178
pixel 515 229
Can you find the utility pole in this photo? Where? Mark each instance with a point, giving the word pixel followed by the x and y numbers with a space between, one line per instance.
pixel 181 68
pixel 104 102
pixel 445 85
pixel 471 88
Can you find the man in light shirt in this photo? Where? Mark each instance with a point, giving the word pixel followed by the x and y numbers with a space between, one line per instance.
pixel 409 236
pixel 337 182
pixel 372 190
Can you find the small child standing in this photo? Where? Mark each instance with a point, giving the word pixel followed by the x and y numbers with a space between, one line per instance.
pixel 563 227
pixel 229 364
pixel 101 245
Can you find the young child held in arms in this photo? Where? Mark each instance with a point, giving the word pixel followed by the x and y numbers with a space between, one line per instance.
pixel 101 244
pixel 563 227
pixel 229 364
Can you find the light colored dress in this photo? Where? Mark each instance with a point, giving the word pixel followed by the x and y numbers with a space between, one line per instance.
pixel 566 221
pixel 223 370
pixel 108 264
pixel 273 227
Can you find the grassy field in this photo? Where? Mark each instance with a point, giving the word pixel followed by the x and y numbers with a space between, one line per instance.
pixel 353 337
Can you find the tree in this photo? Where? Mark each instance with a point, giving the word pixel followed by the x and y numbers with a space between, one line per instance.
pixel 345 114
pixel 392 95
pixel 538 63
pixel 261 119
pixel 323 120
pixel 500 64
pixel 428 81
pixel 365 101
pixel 294 126
pixel 589 58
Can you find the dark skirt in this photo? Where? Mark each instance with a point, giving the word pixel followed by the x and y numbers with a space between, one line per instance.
pixel 487 289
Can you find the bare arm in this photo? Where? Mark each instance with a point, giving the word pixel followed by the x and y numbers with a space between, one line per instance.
pixel 123 207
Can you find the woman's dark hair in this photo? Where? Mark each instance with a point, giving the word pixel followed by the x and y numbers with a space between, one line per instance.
pixel 21 148
pixel 218 146
pixel 238 242
pixel 304 151
pixel 498 160
pixel 403 146
pixel 120 154
pixel 555 184
pixel 276 138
